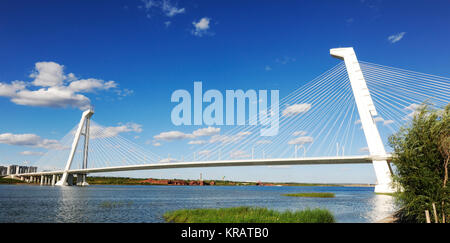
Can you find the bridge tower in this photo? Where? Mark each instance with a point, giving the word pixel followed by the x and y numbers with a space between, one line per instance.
pixel 367 111
pixel 81 178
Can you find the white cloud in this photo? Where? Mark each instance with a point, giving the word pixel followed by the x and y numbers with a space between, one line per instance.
pixel 170 10
pixel 156 144
pixel 108 132
pixel 381 119
pixel 296 109
pixel 177 135
pixel 32 153
pixel 206 131
pixel 377 119
pixel 30 140
pixel 301 140
pixel 285 60
pixel 9 90
pixel 299 133
pixel 396 37
pixel 51 88
pixel 413 111
pixel 413 107
pixel 56 97
pixel 239 154
pixel 197 142
pixel 172 135
pixel 90 85
pixel 166 6
pixel 268 68
pixel 48 74
pixel 201 27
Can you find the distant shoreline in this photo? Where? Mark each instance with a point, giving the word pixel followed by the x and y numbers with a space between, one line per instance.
pixel 182 182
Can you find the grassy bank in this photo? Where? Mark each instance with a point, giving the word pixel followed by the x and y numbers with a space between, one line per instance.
pixel 139 181
pixel 248 215
pixel 310 194
pixel 113 181
pixel 10 181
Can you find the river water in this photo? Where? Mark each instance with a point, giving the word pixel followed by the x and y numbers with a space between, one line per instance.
pixel 31 203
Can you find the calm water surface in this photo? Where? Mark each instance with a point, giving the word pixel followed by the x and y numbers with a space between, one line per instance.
pixel 30 203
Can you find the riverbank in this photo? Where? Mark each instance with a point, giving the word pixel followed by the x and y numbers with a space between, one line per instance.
pixel 10 181
pixel 248 215
pixel 182 182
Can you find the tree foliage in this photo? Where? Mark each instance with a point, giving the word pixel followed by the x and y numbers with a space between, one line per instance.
pixel 421 156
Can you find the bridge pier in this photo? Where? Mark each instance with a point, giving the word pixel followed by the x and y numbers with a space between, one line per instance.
pixel 69 179
pixel 53 180
pixel 81 180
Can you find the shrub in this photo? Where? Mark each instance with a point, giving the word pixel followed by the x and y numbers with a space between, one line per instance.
pixel 421 159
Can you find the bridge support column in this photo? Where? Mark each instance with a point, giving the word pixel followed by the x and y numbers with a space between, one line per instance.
pixel 69 180
pixel 53 180
pixel 367 111
pixel 84 120
pixel 82 180
pixel 79 179
pixel 32 179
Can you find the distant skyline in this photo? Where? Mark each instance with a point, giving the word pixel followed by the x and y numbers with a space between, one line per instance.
pixel 126 58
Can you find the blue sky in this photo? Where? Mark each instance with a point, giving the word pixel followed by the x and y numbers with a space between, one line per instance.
pixel 131 56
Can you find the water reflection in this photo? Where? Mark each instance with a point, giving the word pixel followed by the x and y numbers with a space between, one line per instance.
pixel 382 207
pixel 25 203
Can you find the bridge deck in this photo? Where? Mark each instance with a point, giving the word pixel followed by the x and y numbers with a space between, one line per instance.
pixel 363 159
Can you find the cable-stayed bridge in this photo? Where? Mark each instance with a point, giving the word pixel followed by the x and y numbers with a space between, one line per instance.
pixel 344 116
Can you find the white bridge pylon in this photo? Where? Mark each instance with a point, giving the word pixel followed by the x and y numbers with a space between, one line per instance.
pixel 365 106
pixel 66 178
pixel 367 111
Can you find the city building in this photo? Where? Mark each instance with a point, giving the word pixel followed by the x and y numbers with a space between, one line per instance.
pixel 3 170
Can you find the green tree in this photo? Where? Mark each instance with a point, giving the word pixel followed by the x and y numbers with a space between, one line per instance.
pixel 421 160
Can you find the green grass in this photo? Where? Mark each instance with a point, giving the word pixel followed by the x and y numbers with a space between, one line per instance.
pixel 9 181
pixel 248 215
pixel 310 194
